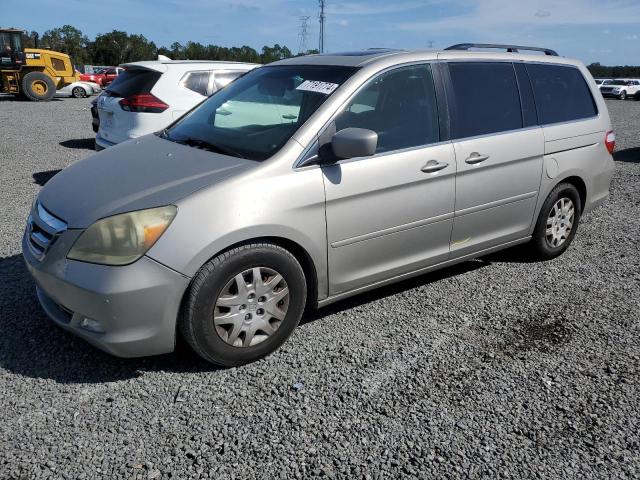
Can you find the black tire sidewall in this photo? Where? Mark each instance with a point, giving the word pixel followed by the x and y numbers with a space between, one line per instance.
pixel 80 89
pixel 539 235
pixel 201 313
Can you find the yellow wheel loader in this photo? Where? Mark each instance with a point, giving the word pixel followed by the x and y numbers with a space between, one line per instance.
pixel 32 72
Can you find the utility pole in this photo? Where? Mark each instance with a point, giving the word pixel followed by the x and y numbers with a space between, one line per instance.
pixel 304 33
pixel 322 18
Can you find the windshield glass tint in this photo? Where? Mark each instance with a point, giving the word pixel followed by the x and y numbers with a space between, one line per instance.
pixel 257 114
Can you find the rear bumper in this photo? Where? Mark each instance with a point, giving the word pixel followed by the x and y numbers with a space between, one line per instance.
pixel 135 306
pixel 600 185
pixel 101 143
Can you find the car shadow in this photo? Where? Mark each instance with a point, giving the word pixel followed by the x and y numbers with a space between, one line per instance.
pixel 33 346
pixel 393 289
pixel 41 178
pixel 79 144
pixel 19 98
pixel 628 155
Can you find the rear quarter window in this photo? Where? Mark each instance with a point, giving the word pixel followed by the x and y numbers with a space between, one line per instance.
pixel 133 82
pixel 561 93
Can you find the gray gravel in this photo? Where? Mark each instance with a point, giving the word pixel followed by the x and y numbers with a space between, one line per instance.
pixel 500 367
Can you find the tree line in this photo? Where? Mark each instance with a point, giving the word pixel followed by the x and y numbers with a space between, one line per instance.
pixel 602 71
pixel 118 47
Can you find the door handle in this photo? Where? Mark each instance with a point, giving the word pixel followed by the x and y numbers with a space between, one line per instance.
pixel 434 166
pixel 476 157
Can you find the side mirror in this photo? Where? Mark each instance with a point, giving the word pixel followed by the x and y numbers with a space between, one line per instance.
pixel 354 142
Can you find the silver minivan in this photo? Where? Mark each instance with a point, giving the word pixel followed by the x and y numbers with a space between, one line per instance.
pixel 313 179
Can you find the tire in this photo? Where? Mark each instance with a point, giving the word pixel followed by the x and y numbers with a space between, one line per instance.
pixel 38 87
pixel 623 95
pixel 544 242
pixel 78 92
pixel 636 97
pixel 216 285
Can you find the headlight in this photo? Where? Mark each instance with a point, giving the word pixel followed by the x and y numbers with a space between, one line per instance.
pixel 122 239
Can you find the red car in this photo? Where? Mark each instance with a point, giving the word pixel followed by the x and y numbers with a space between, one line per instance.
pixel 102 77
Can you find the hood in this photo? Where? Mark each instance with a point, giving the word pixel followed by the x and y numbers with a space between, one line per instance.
pixel 146 173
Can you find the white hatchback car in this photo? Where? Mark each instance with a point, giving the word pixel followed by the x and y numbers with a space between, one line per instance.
pixel 150 95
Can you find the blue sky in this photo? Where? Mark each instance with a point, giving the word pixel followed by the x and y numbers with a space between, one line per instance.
pixel 606 31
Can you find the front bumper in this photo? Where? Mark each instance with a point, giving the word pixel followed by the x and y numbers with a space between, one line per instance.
pixel 136 305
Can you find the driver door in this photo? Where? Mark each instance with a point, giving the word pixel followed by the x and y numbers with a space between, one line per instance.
pixel 391 213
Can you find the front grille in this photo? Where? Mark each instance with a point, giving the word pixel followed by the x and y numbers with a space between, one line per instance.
pixel 606 89
pixel 43 229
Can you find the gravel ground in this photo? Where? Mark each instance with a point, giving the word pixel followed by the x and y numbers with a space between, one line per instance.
pixel 500 367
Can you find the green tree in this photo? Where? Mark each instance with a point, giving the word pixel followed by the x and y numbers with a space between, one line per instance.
pixel 67 39
pixel 119 47
pixel 277 52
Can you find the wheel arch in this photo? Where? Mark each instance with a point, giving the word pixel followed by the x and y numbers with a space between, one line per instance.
pixel 580 185
pixel 298 251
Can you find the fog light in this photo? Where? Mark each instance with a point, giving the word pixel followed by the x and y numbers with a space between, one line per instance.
pixel 91 325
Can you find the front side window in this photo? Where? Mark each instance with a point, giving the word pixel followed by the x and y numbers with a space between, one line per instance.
pixel 400 106
pixel 487 99
pixel 258 113
pixel 561 93
pixel 197 82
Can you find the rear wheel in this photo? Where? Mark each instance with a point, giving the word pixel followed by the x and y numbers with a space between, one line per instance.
pixel 244 304
pixel 78 92
pixel 38 87
pixel 557 222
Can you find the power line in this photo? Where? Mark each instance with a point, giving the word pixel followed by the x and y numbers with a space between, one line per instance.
pixel 322 20
pixel 303 34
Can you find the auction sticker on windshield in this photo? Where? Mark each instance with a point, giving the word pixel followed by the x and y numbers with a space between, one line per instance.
pixel 318 87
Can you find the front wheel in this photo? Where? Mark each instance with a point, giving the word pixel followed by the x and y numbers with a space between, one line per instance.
pixel 244 304
pixel 557 222
pixel 38 87
pixel 623 95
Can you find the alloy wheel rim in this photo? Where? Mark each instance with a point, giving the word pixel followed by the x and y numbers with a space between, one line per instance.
pixel 251 307
pixel 78 92
pixel 560 222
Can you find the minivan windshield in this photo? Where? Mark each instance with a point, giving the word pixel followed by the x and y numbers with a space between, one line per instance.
pixel 257 114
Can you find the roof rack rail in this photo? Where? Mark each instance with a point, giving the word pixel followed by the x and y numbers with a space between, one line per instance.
pixel 508 48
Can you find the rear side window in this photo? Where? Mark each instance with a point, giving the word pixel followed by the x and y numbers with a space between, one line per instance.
pixel 561 93
pixel 197 82
pixel 133 82
pixel 58 65
pixel 400 106
pixel 486 98
pixel 222 79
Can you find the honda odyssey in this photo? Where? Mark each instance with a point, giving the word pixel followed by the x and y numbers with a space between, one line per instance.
pixel 313 179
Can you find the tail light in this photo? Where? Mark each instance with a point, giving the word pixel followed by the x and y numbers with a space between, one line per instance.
pixel 610 141
pixel 143 102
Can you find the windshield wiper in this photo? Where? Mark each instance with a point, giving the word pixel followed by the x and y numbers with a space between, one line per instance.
pixel 198 143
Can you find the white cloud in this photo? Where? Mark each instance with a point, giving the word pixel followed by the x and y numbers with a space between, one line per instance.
pixel 482 15
pixel 631 37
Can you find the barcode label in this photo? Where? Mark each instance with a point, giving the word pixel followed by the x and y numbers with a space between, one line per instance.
pixel 318 87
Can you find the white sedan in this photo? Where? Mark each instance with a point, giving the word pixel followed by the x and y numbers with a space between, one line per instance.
pixel 79 90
